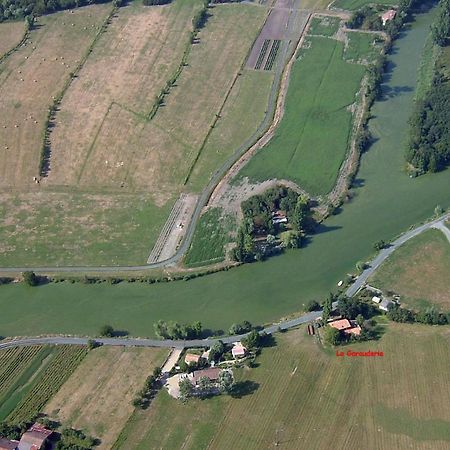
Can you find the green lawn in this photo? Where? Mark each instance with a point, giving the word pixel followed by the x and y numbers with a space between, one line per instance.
pixel 211 235
pixel 357 4
pixel 298 392
pixel 386 202
pixel 361 47
pixel 419 271
pixel 324 26
pixel 312 139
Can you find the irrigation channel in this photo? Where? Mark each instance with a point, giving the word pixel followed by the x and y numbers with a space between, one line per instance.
pixel 386 203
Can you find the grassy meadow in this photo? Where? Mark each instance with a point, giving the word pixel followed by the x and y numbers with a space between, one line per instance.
pixel 419 271
pixel 322 86
pixel 30 376
pixel 361 47
pixel 97 396
pixel 357 4
pixel 296 396
pixel 210 237
pixel 324 26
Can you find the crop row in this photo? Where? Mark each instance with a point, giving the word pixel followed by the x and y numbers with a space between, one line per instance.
pixel 63 365
pixel 272 55
pixel 262 54
pixel 13 363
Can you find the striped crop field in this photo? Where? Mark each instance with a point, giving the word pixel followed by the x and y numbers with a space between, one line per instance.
pixel 262 54
pixel 272 55
pixel 30 376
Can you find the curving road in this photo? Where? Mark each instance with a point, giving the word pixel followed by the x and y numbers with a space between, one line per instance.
pixel 137 342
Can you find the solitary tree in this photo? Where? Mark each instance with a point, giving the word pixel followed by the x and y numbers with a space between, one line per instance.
pixel 226 382
pixel 186 389
pixel 30 278
pixel 332 336
pixel 107 331
pixel 327 308
pixel 252 340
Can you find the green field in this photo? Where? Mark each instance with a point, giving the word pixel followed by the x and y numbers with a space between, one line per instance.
pixel 386 203
pixel 211 235
pixel 324 26
pixel 419 271
pixel 322 85
pixel 30 376
pixel 301 396
pixel 357 4
pixel 361 47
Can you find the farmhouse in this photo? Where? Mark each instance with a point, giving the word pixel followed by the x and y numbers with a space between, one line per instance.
pixel 34 438
pixel 238 350
pixel 191 358
pixel 211 373
pixel 6 444
pixel 279 217
pixel 346 326
pixel 388 15
pixel 384 304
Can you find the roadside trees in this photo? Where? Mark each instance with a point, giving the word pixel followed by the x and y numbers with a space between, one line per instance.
pixel 30 278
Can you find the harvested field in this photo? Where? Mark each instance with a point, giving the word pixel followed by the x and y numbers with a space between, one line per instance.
pixel 119 146
pixel 28 80
pixel 296 396
pixel 312 139
pixel 97 397
pixel 419 271
pixel 114 93
pixel 11 33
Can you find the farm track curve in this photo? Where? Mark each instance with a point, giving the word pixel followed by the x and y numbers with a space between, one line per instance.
pixel 438 223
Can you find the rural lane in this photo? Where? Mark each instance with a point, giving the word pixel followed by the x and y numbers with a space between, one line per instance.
pixel 284 325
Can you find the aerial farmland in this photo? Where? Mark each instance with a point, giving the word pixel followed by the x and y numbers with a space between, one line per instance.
pixel 224 224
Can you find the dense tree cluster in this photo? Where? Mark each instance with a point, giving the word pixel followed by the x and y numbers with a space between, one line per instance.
pixel 71 439
pixel 258 221
pixel 366 18
pixel 173 330
pixel 429 316
pixel 240 328
pixel 18 9
pixel 429 143
pixel 440 29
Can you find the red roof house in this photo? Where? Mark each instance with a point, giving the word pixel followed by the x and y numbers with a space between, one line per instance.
pixel 341 324
pixel 388 15
pixel 34 438
pixel 238 351
pixel 212 373
pixel 191 358
pixel 6 444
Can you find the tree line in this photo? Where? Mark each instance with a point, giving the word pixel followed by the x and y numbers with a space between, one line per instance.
pixel 429 133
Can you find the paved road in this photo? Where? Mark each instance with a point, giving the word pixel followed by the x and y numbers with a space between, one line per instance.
pixel 130 342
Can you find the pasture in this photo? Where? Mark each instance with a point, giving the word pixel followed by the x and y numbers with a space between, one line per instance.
pixel 419 271
pixel 296 396
pixel 11 33
pixel 357 4
pixel 361 47
pixel 31 376
pixel 97 397
pixel 324 26
pixel 322 86
pixel 211 236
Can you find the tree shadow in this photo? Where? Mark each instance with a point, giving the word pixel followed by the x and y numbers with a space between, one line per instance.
pixel 120 333
pixel 388 92
pixel 358 183
pixel 243 388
